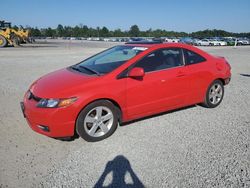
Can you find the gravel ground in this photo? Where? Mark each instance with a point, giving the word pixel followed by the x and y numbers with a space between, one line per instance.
pixel 191 147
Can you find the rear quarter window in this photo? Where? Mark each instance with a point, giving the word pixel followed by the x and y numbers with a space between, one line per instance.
pixel 192 57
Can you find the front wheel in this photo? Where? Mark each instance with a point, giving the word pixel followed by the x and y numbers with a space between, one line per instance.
pixel 97 121
pixel 214 95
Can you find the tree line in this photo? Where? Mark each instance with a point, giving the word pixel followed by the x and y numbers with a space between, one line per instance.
pixel 134 31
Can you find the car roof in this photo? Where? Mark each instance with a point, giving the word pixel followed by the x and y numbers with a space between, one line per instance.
pixel 160 45
pixel 154 46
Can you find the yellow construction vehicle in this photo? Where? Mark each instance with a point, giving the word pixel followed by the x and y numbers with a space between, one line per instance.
pixel 10 36
pixel 24 35
pixel 7 35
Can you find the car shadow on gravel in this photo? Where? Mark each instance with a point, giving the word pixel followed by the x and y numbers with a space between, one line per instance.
pixel 76 136
pixel 69 139
pixel 160 114
pixel 122 175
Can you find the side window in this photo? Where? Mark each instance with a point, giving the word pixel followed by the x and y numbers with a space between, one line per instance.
pixel 161 59
pixel 193 58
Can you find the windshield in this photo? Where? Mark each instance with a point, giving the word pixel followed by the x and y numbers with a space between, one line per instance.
pixel 108 60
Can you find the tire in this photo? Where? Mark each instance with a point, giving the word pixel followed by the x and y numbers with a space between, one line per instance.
pixel 3 41
pixel 16 41
pixel 214 94
pixel 97 121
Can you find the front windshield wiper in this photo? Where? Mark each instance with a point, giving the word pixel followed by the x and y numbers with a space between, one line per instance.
pixel 75 68
pixel 91 70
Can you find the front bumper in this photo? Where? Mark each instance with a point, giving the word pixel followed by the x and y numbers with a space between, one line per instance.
pixel 52 122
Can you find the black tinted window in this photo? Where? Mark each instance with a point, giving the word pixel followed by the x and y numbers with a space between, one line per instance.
pixel 192 57
pixel 161 59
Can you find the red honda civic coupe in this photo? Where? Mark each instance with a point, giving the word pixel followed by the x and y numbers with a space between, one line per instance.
pixel 121 84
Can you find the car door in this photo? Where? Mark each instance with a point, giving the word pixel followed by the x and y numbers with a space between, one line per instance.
pixel 163 87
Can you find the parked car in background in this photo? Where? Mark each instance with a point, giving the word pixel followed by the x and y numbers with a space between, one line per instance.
pixel 203 42
pixel 242 41
pixel 187 40
pixel 230 41
pixel 216 42
pixel 222 43
pixel 157 39
pixel 196 41
pixel 174 40
pixel 136 39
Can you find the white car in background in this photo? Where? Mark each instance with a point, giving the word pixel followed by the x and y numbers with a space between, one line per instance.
pixel 203 42
pixel 214 42
pixel 243 42
pixel 175 40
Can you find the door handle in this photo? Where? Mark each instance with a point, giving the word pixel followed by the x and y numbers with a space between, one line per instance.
pixel 180 74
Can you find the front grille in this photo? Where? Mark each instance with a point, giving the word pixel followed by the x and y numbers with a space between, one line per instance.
pixel 32 96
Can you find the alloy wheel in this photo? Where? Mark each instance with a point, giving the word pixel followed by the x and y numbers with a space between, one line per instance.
pixel 98 121
pixel 215 94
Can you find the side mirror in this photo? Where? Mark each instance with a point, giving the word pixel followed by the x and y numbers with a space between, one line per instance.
pixel 136 72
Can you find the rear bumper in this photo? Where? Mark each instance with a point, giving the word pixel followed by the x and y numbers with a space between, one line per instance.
pixel 54 122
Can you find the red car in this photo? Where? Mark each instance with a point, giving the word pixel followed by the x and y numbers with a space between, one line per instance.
pixel 121 84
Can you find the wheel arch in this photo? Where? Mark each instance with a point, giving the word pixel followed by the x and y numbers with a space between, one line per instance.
pixel 219 78
pixel 114 102
pixel 222 80
pixel 205 103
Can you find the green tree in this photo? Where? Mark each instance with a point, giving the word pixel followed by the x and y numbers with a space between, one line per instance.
pixel 76 31
pixel 68 31
pixel 50 32
pixel 60 30
pixel 92 32
pixel 118 33
pixel 85 31
pixel 104 32
pixel 35 32
pixel 134 31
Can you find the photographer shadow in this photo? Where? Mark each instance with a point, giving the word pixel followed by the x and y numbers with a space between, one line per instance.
pixel 119 167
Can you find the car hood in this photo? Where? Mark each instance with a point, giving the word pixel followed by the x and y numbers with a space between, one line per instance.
pixel 60 84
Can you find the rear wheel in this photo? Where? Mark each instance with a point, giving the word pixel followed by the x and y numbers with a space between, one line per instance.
pixel 97 121
pixel 214 95
pixel 3 41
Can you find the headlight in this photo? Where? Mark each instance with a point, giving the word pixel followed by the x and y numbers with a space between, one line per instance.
pixel 54 103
